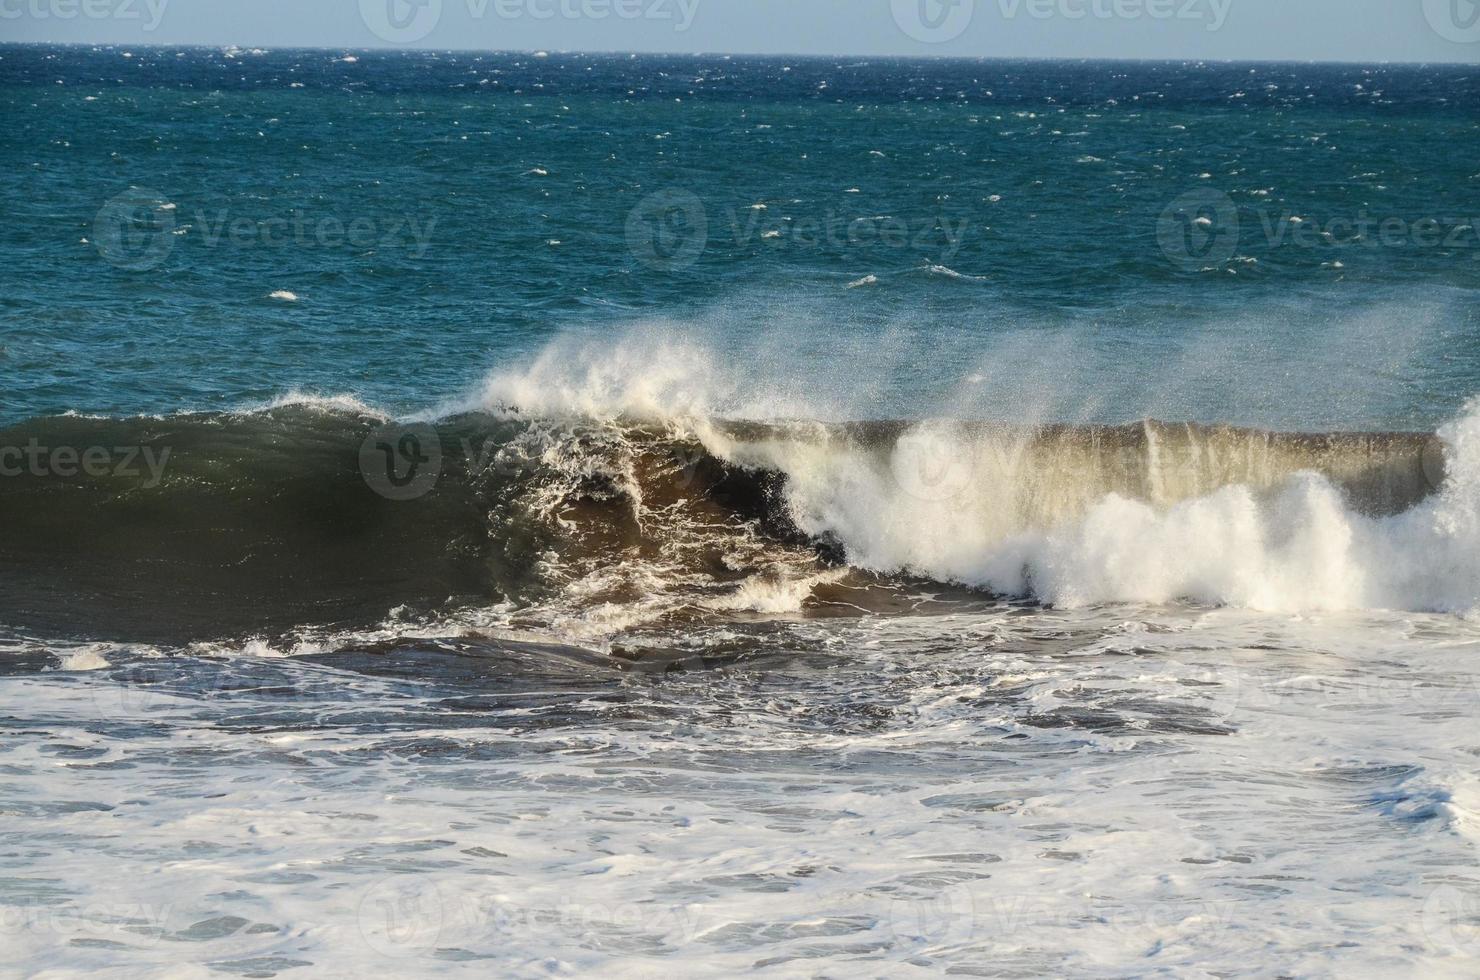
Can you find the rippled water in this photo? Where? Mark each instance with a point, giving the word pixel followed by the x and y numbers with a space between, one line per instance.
pixel 791 584
pixel 995 204
pixel 1004 791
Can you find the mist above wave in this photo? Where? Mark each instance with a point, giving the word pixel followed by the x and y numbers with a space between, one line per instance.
pixel 602 486
pixel 1256 519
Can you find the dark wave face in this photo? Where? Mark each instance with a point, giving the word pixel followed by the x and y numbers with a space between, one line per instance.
pixel 211 526
pixel 245 524
pixel 222 525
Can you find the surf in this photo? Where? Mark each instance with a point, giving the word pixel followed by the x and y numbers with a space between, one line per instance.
pixel 589 523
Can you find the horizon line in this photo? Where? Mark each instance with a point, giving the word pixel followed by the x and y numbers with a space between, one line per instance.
pixel 536 52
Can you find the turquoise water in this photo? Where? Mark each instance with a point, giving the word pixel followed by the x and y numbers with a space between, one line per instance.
pixel 442 215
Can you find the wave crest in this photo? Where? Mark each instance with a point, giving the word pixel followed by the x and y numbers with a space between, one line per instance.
pixel 591 526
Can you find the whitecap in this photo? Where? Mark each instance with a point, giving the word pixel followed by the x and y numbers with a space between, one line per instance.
pixel 949 273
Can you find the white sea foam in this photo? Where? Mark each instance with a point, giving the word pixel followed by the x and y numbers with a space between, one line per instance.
pixel 949 273
pixel 91 656
pixel 928 803
pixel 87 657
pixel 318 403
pixel 257 647
pixel 951 506
pixel 773 595
pixel 943 505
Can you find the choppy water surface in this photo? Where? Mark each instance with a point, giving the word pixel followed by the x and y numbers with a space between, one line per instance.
pixel 999 790
pixel 807 518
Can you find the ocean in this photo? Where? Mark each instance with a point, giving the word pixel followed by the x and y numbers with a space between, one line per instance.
pixel 560 514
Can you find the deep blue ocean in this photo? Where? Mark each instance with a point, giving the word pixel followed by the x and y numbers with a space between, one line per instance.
pixel 440 215
pixel 598 515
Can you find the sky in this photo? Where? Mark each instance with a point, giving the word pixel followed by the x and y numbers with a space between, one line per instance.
pixel 1299 30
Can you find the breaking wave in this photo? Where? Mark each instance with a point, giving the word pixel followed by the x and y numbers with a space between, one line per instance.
pixel 586 497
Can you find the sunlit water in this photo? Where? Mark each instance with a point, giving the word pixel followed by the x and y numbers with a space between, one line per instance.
pixel 999 792
pixel 671 671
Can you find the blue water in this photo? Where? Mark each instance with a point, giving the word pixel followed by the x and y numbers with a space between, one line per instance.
pixel 441 215
pixel 470 577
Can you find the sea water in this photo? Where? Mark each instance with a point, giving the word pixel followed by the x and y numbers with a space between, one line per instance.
pixel 474 512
